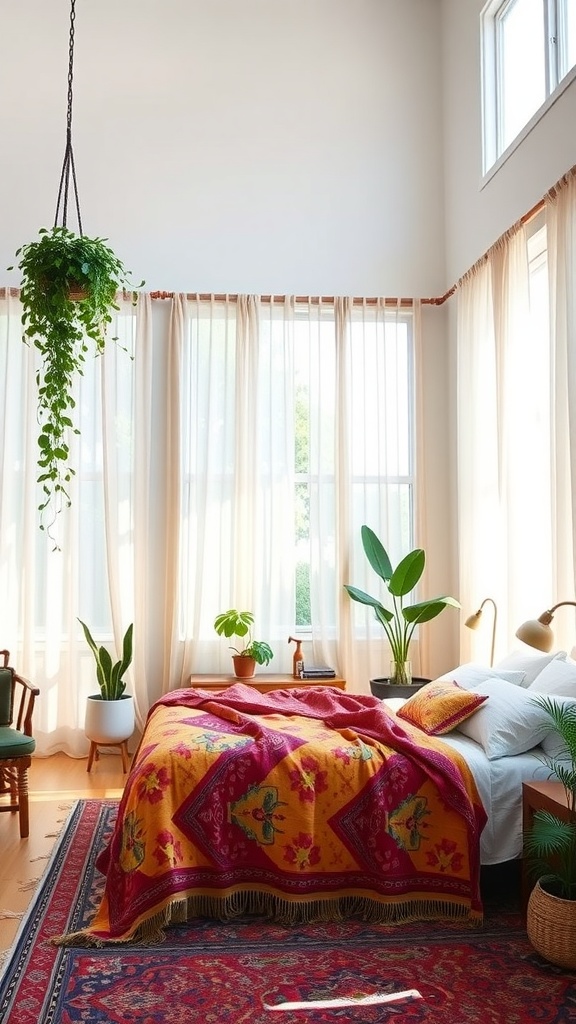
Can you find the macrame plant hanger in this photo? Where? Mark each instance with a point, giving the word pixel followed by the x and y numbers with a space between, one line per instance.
pixel 68 163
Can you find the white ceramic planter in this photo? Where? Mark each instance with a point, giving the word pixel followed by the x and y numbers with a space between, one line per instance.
pixel 109 721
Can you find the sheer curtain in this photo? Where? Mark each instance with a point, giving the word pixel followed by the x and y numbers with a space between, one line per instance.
pixel 236 511
pixel 297 425
pixel 561 226
pixel 81 565
pixel 376 384
pixel 516 437
pixel 230 450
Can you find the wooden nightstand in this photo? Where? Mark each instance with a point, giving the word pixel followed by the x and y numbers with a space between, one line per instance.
pixel 263 681
pixel 540 796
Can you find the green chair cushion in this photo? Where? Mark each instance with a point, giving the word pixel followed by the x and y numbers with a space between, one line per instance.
pixel 5 696
pixel 14 743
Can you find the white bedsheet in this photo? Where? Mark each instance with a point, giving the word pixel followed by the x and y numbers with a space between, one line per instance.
pixel 500 789
pixel 499 786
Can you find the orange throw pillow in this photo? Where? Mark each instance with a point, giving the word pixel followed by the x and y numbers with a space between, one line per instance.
pixel 440 706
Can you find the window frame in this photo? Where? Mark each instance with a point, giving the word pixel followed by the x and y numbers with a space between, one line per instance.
pixel 406 480
pixel 305 476
pixel 557 76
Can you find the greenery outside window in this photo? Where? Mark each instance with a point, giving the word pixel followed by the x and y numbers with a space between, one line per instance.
pixel 308 390
pixel 389 371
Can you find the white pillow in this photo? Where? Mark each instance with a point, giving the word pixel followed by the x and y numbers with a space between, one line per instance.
pixel 508 723
pixel 552 744
pixel 528 662
pixel 558 678
pixel 469 675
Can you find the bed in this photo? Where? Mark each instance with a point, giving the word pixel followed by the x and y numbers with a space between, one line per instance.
pixel 307 804
pixel 509 740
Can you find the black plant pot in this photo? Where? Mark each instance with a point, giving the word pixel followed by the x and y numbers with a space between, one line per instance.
pixel 382 687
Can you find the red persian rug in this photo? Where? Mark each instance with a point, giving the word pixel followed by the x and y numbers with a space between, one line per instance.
pixel 246 972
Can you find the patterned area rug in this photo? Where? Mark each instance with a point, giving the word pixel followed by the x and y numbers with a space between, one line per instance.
pixel 244 972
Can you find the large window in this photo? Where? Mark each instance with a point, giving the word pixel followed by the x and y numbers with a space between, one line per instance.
pixel 297 428
pixel 528 50
pixel 379 439
pixel 230 463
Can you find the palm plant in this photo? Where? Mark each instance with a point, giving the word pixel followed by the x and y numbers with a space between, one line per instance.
pixel 399 622
pixel 550 843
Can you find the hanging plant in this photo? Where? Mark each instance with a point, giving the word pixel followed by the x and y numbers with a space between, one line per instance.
pixel 68 292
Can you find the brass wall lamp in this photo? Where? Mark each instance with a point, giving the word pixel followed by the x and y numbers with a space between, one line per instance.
pixel 537 633
pixel 473 622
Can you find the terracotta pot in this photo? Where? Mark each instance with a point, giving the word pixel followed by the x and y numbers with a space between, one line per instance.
pixel 76 293
pixel 244 667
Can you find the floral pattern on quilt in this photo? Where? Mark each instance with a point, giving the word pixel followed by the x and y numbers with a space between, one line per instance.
pixel 258 813
pixel 407 824
pixel 312 795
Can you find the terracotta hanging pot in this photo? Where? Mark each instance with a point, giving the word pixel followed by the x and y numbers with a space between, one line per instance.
pixel 76 293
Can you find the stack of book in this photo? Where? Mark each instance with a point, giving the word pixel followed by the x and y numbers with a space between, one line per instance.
pixel 316 671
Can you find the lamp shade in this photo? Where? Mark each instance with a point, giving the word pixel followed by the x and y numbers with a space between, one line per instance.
pixel 537 633
pixel 473 621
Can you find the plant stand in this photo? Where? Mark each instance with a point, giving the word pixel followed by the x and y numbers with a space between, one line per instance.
pixel 94 754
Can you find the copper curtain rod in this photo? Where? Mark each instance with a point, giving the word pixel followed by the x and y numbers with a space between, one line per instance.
pixel 314 300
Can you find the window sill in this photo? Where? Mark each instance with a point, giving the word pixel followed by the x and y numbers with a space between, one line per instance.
pixel 546 106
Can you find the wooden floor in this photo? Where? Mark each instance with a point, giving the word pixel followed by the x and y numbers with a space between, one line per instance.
pixel 54 784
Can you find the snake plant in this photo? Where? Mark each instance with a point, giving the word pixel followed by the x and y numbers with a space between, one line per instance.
pixel 110 674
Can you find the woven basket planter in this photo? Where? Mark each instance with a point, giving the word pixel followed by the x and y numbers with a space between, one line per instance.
pixel 551 926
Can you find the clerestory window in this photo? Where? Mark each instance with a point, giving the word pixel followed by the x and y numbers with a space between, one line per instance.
pixel 528 58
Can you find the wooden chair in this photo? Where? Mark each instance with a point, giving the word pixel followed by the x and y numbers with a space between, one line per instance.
pixel 17 697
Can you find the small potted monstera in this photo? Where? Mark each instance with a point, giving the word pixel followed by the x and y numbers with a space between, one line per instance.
pixel 251 652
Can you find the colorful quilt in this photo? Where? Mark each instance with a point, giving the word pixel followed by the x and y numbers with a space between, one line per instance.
pixel 305 804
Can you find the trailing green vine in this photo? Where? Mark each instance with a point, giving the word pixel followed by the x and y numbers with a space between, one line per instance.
pixel 59 325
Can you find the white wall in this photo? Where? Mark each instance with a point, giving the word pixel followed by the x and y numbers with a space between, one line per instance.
pixel 291 146
pixel 477 214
